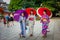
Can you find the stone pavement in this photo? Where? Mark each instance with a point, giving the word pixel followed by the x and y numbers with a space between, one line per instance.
pixel 12 32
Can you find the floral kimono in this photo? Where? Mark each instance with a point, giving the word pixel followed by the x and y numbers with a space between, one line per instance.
pixel 22 21
pixel 45 21
pixel 31 20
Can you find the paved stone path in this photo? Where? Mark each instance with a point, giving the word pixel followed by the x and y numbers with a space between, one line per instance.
pixel 12 32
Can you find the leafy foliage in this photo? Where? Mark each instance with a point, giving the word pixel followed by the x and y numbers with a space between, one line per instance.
pixel 53 5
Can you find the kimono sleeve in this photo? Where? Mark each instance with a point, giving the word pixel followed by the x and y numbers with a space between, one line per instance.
pixel 20 19
pixel 34 18
pixel 28 18
pixel 27 21
pixel 48 19
pixel 41 20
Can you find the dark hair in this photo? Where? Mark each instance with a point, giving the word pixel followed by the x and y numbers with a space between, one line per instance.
pixel 22 13
pixel 45 11
pixel 30 12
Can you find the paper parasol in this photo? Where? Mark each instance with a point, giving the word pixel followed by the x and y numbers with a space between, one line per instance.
pixel 41 10
pixel 18 13
pixel 28 10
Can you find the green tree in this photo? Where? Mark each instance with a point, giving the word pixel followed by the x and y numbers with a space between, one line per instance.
pixel 14 5
pixel 53 5
pixel 19 4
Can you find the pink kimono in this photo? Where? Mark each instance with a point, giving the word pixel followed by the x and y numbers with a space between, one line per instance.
pixel 45 21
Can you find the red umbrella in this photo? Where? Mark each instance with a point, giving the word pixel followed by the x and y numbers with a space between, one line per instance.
pixel 41 10
pixel 28 10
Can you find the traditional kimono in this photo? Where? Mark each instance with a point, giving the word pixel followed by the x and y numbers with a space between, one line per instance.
pixel 31 20
pixel 45 21
pixel 22 21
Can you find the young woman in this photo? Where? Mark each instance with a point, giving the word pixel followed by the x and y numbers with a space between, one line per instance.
pixel 4 22
pixel 45 21
pixel 1 17
pixel 11 19
pixel 31 20
pixel 22 21
pixel 7 19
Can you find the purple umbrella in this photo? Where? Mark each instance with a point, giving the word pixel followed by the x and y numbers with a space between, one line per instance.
pixel 18 13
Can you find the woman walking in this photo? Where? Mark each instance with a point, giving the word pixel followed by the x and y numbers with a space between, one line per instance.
pixel 45 22
pixel 22 21
pixel 31 20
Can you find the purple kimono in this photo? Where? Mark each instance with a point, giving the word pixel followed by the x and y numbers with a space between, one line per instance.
pixel 45 24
